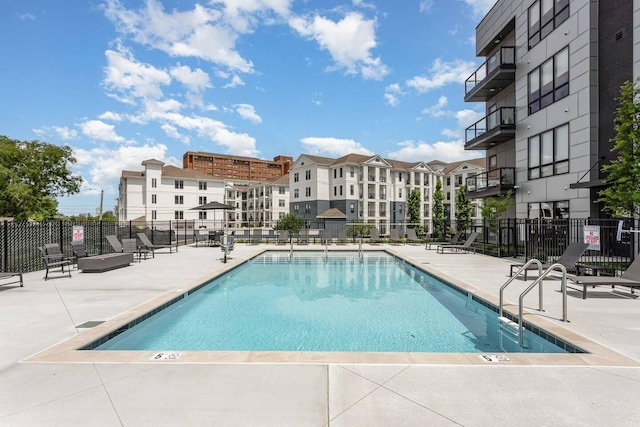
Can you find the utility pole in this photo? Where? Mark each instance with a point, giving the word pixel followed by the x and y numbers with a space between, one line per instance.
pixel 101 199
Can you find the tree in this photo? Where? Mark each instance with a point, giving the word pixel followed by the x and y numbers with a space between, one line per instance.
pixel 32 175
pixel 621 198
pixel 290 222
pixel 493 207
pixel 463 209
pixel 438 211
pixel 413 203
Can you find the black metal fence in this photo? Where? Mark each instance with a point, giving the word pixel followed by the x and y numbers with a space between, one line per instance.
pixel 518 238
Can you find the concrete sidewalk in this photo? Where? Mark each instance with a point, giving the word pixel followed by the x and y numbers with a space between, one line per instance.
pixel 43 314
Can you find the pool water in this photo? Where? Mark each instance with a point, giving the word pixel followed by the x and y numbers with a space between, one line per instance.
pixel 326 302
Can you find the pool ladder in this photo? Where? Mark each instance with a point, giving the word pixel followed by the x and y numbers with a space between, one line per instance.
pixel 537 282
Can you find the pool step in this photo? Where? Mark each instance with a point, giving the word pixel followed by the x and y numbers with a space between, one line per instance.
pixel 509 326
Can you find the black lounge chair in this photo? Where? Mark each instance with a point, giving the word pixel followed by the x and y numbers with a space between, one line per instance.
pixel 303 237
pixel 412 237
pixel 10 275
pixel 256 236
pixel 394 236
pixel 79 251
pixel 115 243
pixel 467 246
pixel 455 240
pixel 630 278
pixel 327 237
pixel 130 246
pixel 200 236
pixel 374 236
pixel 283 237
pixel 342 236
pixel 150 246
pixel 55 260
pixel 568 259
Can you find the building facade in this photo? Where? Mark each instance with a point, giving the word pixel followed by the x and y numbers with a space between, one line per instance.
pixel 368 189
pixel 552 72
pixel 165 193
pixel 223 166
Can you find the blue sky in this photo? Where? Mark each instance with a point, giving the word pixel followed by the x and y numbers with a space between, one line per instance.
pixel 125 81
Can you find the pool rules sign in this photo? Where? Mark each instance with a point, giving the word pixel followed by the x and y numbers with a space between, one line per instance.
pixel 592 237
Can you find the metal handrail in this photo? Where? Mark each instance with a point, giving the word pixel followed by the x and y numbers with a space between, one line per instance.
pixel 563 269
pixel 527 264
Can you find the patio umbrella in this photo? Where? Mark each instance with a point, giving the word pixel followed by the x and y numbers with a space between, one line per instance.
pixel 215 206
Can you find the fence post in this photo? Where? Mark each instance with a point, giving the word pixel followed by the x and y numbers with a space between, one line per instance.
pixel 101 233
pixel 5 247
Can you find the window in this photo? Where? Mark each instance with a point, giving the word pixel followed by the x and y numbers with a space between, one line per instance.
pixel 544 16
pixel 307 208
pixel 448 180
pixel 178 215
pixel 352 207
pixel 335 173
pixel 459 180
pixel 281 190
pixel 296 209
pixel 154 198
pixel 179 200
pixel 154 214
pixel 296 177
pixel 352 171
pixel 493 163
pixel 202 200
pixel 202 215
pixel 154 182
pixel 400 177
pixel 281 203
pixel 202 185
pixel 549 82
pixel 307 175
pixel 335 191
pixel 296 193
pixel 400 193
pixel 340 172
pixel 351 190
pixel 549 210
pixel 341 190
pixel 307 191
pixel 179 183
pixel 549 153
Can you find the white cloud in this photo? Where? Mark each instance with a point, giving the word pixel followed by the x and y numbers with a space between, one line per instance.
pixel 437 110
pixel 99 130
pixel 464 119
pixel 172 132
pixel 195 80
pixel 66 133
pixel 392 93
pixel 446 151
pixel 441 74
pixel 132 78
pixel 27 17
pixel 479 7
pixel 333 146
pixel 110 115
pixel 248 112
pixel 235 81
pixel 426 6
pixel 349 42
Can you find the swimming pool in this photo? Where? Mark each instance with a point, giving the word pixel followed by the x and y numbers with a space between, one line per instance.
pixel 324 302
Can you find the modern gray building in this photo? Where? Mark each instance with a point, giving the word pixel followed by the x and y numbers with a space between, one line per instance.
pixel 552 73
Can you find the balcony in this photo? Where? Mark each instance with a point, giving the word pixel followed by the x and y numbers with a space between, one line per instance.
pixel 496 128
pixel 492 183
pixel 495 74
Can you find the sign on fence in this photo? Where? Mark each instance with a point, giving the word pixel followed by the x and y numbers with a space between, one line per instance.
pixel 78 233
pixel 592 237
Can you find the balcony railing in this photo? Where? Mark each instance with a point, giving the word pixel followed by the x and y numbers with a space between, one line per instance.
pixel 499 126
pixel 496 73
pixel 493 182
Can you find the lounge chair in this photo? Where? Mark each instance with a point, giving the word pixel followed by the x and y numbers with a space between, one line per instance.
pixel 200 236
pixel 467 246
pixel 455 240
pixel 79 251
pixel 630 278
pixel 115 243
pixel 342 236
pixel 54 261
pixel 327 236
pixel 152 246
pixel 283 237
pixel 303 237
pixel 412 237
pixel 10 275
pixel 227 245
pixel 256 236
pixel 394 236
pixel 130 246
pixel 568 259
pixel 374 236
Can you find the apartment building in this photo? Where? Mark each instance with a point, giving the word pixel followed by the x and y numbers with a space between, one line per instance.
pixel 368 189
pixel 454 176
pixel 552 72
pixel 163 193
pixel 223 166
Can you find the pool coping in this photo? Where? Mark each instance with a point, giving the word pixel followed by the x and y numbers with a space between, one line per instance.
pixel 69 351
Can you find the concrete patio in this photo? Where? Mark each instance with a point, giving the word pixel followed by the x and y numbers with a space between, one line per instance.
pixel 38 387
